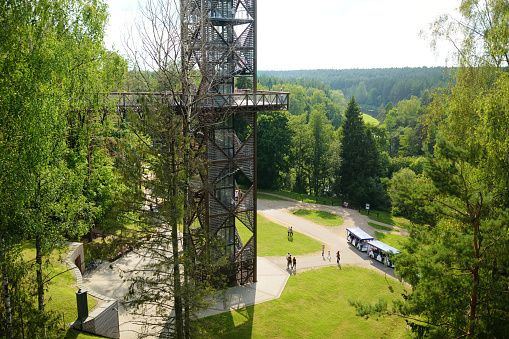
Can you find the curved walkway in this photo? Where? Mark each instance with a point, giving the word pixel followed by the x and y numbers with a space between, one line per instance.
pixel 272 272
pixel 334 238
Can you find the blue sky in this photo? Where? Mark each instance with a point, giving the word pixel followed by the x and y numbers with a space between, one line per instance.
pixel 323 34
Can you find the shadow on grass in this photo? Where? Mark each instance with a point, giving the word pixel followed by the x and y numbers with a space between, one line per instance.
pixel 74 334
pixel 234 324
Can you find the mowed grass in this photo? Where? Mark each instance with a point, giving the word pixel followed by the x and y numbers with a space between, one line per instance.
pixel 320 217
pixel 387 218
pixel 273 240
pixel 314 304
pixel 270 197
pixel 368 119
pixel 300 196
pixel 381 227
pixel 395 240
pixel 61 294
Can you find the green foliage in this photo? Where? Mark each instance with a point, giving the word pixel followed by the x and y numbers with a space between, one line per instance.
pixel 371 87
pixel 53 66
pixel 274 142
pixel 409 194
pixel 357 178
pixel 395 240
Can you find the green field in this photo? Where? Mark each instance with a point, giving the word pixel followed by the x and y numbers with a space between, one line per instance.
pixel 300 196
pixel 320 217
pixel 381 227
pixel 270 197
pixel 273 240
pixel 395 240
pixel 387 218
pixel 368 119
pixel 314 304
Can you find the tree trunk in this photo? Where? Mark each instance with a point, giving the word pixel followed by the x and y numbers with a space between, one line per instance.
pixel 40 284
pixel 173 189
pixel 7 294
pixel 475 281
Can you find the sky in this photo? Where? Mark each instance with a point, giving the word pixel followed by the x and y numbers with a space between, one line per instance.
pixel 329 34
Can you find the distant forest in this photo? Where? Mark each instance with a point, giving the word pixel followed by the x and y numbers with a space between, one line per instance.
pixel 373 88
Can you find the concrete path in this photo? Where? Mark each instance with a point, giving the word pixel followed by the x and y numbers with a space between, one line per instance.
pixel 334 238
pixel 272 271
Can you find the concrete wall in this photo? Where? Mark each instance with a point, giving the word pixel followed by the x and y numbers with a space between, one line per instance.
pixel 104 319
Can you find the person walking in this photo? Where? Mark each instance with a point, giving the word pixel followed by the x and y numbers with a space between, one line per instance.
pixel 291 231
pixel 289 262
pixel 328 255
pixel 337 257
pixel 287 256
pixel 323 251
pixel 294 264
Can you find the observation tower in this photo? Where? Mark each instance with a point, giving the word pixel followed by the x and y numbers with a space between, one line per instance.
pixel 221 43
pixel 218 42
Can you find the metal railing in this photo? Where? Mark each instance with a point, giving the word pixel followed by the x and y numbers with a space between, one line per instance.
pixel 241 99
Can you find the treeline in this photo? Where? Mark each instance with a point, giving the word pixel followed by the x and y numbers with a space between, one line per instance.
pixel 304 149
pixel 372 88
pixel 440 160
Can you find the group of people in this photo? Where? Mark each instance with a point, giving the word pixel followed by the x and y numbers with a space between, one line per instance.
pixel 290 232
pixel 291 263
pixel 338 256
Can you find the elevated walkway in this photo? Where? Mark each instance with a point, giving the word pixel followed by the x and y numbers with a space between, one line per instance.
pixel 242 100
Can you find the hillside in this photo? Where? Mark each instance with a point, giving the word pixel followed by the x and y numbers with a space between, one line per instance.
pixel 372 88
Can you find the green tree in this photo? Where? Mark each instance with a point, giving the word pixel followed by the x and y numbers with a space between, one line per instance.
pixel 320 135
pixel 357 178
pixel 47 49
pixel 300 153
pixel 274 146
pixel 456 263
pixel 164 159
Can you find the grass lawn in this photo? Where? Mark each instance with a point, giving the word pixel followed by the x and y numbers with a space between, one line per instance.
pixel 61 293
pixel 394 240
pixel 300 196
pixel 387 218
pixel 273 240
pixel 269 197
pixel 314 304
pixel 320 217
pixel 381 227
pixel 368 119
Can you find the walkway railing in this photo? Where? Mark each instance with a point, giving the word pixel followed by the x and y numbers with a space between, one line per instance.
pixel 243 99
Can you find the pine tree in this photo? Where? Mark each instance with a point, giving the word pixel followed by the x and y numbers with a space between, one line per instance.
pixel 357 177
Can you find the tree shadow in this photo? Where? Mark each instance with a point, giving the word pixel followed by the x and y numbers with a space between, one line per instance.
pixel 234 324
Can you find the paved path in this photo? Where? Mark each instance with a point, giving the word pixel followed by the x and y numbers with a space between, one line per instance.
pixel 334 238
pixel 272 271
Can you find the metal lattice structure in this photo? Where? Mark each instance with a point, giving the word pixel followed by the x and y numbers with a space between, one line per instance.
pixel 219 40
pixel 221 43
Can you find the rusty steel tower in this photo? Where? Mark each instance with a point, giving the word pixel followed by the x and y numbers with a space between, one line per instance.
pixel 220 42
